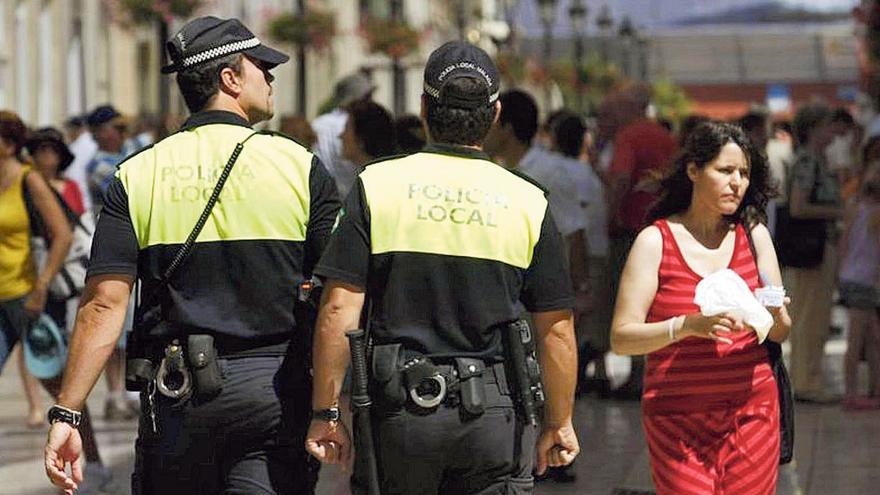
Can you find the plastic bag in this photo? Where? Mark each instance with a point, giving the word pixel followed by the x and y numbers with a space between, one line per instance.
pixel 726 292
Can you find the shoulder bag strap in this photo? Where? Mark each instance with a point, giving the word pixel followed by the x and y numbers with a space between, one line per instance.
pixel 187 246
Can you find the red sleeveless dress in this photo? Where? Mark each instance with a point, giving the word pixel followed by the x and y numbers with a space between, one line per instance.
pixel 710 409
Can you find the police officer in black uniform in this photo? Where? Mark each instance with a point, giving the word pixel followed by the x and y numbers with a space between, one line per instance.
pixel 448 248
pixel 221 360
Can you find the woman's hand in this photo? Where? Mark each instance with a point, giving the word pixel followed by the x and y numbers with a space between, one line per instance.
pixel 36 300
pixel 711 327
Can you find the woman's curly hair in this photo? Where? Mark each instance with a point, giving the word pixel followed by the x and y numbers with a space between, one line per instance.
pixel 702 146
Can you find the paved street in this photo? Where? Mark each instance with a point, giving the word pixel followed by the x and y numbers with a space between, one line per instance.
pixel 837 453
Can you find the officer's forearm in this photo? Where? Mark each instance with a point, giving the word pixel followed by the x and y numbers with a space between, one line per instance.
pixel 557 352
pixel 98 325
pixel 340 312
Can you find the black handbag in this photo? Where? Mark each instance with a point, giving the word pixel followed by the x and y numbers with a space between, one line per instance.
pixel 800 242
pixel 783 385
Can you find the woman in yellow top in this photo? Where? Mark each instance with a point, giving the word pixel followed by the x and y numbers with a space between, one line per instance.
pixel 24 289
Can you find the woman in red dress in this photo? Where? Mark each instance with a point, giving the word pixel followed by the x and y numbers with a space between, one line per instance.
pixel 710 406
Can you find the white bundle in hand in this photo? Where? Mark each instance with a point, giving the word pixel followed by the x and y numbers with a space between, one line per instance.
pixel 726 292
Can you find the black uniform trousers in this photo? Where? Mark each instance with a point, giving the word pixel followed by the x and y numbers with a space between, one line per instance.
pixel 443 452
pixel 249 439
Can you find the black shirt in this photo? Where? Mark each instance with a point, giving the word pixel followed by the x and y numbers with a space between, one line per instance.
pixel 265 233
pixel 448 245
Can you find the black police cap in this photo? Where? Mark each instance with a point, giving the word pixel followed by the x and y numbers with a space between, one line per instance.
pixel 208 38
pixel 459 59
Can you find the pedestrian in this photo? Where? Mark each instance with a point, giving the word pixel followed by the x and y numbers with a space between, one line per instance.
pixel 369 133
pixel 109 129
pixel 511 140
pixel 446 246
pixel 330 126
pixel 643 150
pixel 410 132
pixel 594 325
pixel 220 359
pixel 83 147
pixel 51 158
pixel 858 277
pixel 814 195
pixel 710 406
pixel 24 287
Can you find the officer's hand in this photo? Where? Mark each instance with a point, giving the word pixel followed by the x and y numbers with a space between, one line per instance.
pixel 329 442
pixel 64 446
pixel 557 446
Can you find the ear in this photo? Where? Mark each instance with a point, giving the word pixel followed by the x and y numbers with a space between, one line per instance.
pixel 692 171
pixel 230 82
pixel 497 112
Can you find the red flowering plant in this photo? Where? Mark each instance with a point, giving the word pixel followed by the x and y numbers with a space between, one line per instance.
pixel 396 39
pixel 313 29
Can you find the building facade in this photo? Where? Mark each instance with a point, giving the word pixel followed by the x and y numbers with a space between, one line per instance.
pixel 64 57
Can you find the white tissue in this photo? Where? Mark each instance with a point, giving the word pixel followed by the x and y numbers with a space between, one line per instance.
pixel 726 292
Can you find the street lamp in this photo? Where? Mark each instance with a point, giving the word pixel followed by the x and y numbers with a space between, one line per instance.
pixel 548 15
pixel 578 14
pixel 604 22
pixel 627 33
pixel 397 73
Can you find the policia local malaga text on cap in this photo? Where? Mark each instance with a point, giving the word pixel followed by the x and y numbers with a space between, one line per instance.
pixel 447 247
pixel 219 223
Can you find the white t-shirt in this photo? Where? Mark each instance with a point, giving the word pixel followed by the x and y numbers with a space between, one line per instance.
pixel 545 169
pixel 83 148
pixel 328 129
pixel 591 197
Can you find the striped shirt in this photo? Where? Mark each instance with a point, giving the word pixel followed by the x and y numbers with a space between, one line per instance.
pixel 697 374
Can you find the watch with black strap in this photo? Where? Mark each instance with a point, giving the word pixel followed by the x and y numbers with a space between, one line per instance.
pixel 63 414
pixel 330 414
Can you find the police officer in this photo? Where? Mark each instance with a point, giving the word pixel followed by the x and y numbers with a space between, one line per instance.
pixel 229 416
pixel 447 247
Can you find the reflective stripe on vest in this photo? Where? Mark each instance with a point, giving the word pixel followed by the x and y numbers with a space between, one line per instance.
pixel 448 205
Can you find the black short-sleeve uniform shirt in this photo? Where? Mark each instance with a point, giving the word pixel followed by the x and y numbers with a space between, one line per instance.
pixel 264 235
pixel 447 245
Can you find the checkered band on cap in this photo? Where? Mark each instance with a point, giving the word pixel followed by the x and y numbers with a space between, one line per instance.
pixel 217 52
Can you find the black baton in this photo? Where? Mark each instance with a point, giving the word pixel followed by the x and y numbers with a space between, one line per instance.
pixel 360 406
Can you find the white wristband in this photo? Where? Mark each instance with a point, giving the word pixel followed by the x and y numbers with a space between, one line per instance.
pixel 671 328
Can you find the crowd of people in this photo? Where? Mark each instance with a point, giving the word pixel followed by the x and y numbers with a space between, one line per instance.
pixel 645 210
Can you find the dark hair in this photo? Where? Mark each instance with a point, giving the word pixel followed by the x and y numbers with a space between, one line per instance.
pixel 454 125
pixel 842 116
pixel 519 109
pixel 703 146
pixel 12 129
pixel 688 125
pixel 807 118
pixel 410 133
pixel 201 83
pixel 568 133
pixel 753 121
pixel 373 127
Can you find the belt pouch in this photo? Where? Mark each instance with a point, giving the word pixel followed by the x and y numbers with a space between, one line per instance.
pixel 138 372
pixel 202 357
pixel 386 375
pixel 471 385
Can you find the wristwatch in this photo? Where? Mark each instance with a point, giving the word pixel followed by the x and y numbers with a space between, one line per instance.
pixel 329 415
pixel 64 415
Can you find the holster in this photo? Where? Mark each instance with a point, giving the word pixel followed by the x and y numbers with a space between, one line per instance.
pixel 202 357
pixel 387 379
pixel 471 385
